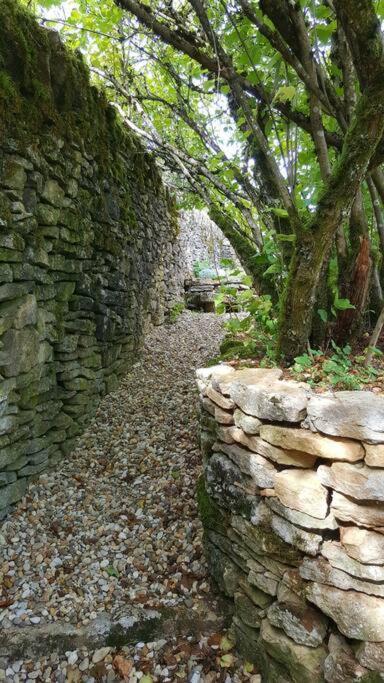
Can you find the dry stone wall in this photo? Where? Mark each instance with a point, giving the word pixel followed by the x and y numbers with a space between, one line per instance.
pixel 88 243
pixel 292 502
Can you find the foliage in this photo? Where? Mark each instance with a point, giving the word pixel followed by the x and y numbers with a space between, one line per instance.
pixel 176 311
pixel 200 266
pixel 257 111
pixel 341 369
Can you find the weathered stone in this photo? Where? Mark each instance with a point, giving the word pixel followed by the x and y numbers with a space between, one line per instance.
pixel 314 444
pixel 369 514
pixel 321 571
pixel 264 542
pixel 335 553
pixel 221 416
pixel 225 434
pixel 282 457
pixel 258 468
pixel 53 193
pixel 229 487
pixel 355 414
pixel 303 540
pixel 214 371
pixel 248 376
pixel 341 666
pixel 304 624
pixel 302 490
pixel 219 399
pixel 363 545
pixel 264 580
pixel 280 400
pixel 374 454
pixel 371 655
pixel 249 424
pixel 357 615
pixel 13 492
pixel 246 610
pixel 303 664
pixel 258 597
pixel 358 481
pixel 301 518
pixel 20 351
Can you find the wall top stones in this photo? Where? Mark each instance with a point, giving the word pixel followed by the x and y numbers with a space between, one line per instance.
pixel 294 486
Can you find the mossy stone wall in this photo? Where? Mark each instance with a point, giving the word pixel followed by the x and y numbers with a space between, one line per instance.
pixel 88 249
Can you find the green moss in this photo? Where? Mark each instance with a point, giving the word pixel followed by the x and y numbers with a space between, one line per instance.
pixel 210 514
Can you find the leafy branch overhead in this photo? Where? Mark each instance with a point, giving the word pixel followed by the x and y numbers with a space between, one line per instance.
pixel 270 113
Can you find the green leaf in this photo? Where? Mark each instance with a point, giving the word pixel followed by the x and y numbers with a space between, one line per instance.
pixel 342 304
pixel 323 314
pixel 285 93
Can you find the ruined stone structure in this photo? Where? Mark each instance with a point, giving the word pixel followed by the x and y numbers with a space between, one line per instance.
pixel 292 501
pixel 88 245
pixel 201 240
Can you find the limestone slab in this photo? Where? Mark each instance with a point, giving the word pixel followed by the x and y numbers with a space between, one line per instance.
pixel 219 399
pixel 357 481
pixel 301 518
pixel 249 424
pixel 374 454
pixel 341 666
pixel 355 414
pixel 303 664
pixel 279 455
pixel 252 464
pixel 363 545
pixel 321 571
pixel 279 400
pixel 335 553
pixel 371 655
pixel 301 490
pixel 306 541
pixel 312 443
pixel 301 622
pixel 247 376
pixel 357 615
pixel 369 514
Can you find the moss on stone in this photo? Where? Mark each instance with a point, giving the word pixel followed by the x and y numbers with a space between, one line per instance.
pixel 210 514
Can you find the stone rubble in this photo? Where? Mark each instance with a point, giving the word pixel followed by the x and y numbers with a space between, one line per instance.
pixel 300 551
pixel 115 527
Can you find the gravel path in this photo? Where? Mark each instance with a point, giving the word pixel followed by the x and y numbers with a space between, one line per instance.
pixel 117 525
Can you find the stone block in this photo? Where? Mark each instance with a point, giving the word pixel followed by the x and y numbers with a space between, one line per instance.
pixel 283 401
pixel 301 490
pixel 249 424
pixel 258 468
pixel 312 443
pixel 321 571
pixel 363 545
pixel 301 622
pixel 357 481
pixel 370 514
pixel 355 414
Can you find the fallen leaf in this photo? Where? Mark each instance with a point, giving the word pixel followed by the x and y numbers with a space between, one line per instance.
pixel 122 666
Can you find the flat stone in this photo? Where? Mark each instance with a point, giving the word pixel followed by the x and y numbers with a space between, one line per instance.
pixel 248 376
pixel 356 615
pixel 363 545
pixel 219 399
pixel 262 579
pixel 371 655
pixel 335 553
pixel 355 414
pixel 374 454
pixel 341 666
pixel 301 518
pixel 12 493
pixel 258 468
pixel 321 571
pixel 214 371
pixel 346 510
pixel 279 455
pixel 358 481
pixel 246 610
pixel 306 541
pixel 303 664
pixel 280 400
pixel 301 622
pixel 301 490
pixel 262 541
pixel 315 444
pixel 225 434
pixel 249 424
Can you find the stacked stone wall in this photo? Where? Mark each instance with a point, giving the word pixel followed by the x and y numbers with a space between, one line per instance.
pixel 88 247
pixel 292 502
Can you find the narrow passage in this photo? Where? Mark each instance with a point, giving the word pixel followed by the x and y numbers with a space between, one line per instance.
pixel 116 525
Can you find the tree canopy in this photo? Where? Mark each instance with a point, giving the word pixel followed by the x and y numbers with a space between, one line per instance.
pixel 270 113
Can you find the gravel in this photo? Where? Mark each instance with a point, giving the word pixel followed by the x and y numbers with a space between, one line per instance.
pixel 116 524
